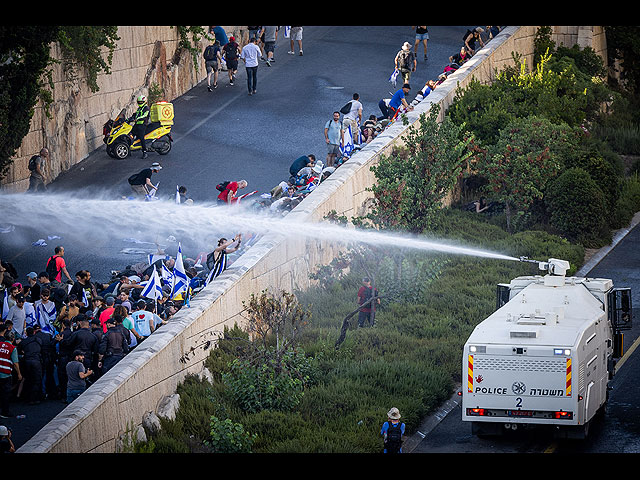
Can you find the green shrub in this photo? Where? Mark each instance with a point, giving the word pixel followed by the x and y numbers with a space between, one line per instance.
pixel 229 437
pixel 578 208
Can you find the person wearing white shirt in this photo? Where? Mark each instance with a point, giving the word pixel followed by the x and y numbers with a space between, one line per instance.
pixel 250 55
pixel 353 119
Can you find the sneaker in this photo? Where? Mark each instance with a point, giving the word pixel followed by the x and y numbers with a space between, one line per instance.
pixel 209 88
pixel 291 52
pixel 231 82
pixel 268 63
pixel 254 92
pixel 215 85
pixel 300 52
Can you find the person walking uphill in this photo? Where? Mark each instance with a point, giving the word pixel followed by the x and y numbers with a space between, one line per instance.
pixel 250 55
pixel 37 167
pixel 392 432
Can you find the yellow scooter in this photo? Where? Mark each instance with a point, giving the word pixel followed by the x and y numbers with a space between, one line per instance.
pixel 119 139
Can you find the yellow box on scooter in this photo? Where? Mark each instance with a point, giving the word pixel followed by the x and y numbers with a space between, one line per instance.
pixel 162 112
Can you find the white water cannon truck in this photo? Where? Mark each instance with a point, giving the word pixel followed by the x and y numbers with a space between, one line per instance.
pixel 546 355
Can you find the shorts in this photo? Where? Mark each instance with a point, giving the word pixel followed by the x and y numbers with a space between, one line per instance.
pixel 422 36
pixel 269 46
pixel 296 33
pixel 212 66
pixel 333 149
pixel 232 64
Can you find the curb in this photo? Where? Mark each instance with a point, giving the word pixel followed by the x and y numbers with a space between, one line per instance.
pixel 455 400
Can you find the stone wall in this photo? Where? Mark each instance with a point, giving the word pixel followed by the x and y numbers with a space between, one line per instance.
pixel 144 55
pixel 137 384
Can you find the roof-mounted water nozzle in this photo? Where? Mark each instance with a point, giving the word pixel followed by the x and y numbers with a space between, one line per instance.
pixel 554 266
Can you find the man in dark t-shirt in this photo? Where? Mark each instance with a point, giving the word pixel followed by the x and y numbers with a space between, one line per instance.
pixel 141 182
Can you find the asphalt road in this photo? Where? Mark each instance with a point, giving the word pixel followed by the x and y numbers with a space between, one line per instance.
pixel 617 431
pixel 228 135
pixel 221 135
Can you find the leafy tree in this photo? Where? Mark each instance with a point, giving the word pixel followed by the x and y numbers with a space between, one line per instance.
pixel 525 157
pixel 412 184
pixel 26 77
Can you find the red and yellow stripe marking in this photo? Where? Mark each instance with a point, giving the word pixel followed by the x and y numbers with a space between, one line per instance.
pixel 470 375
pixel 568 384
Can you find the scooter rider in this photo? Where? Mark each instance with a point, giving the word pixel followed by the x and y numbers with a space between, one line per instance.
pixel 141 118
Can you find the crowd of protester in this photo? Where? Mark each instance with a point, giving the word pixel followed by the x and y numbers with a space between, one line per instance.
pixel 59 335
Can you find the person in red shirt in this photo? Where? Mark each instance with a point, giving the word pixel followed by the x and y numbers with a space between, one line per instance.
pixel 60 266
pixel 106 313
pixel 229 193
pixel 367 312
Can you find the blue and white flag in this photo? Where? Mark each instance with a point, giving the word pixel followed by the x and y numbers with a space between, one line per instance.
pixel 29 314
pixel 394 76
pixel 154 257
pixel 85 300
pixel 5 304
pixel 153 288
pixel 181 281
pixel 177 194
pixel 347 148
pixel 287 32
pixel 167 275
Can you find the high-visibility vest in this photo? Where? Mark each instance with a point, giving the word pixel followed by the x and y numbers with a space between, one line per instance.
pixel 6 349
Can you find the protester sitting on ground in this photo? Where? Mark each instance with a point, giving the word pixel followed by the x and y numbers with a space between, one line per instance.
pixel 461 57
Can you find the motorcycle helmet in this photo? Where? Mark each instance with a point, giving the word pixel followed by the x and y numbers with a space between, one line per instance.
pixel 142 100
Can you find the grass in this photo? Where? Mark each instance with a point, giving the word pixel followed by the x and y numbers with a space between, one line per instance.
pixel 411 359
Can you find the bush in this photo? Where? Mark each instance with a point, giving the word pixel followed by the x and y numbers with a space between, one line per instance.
pixel 578 208
pixel 229 437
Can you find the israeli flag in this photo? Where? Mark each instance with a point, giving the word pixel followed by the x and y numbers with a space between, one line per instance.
pixel 287 32
pixel 168 276
pixel 347 148
pixel 85 300
pixel 394 76
pixel 154 257
pixel 180 281
pixel 30 314
pixel 153 288
pixel 177 194
pixel 5 304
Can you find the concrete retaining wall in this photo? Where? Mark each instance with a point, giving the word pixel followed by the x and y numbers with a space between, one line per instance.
pixel 119 399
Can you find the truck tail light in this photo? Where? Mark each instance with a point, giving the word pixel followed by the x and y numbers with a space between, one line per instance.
pixel 475 412
pixel 563 415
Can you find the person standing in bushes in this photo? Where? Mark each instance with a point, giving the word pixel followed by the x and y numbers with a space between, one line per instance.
pixel 392 432
pixel 367 312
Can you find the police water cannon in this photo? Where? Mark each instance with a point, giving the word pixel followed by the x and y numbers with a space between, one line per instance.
pixel 546 355
pixel 554 266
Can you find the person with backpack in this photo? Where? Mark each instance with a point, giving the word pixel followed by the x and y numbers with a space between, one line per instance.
pixel 56 266
pixel 471 37
pixel 212 61
pixel 392 432
pixel 37 165
pixel 141 182
pixel 405 62
pixel 231 53
pixel 367 312
pixel 229 190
